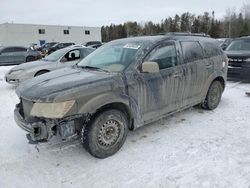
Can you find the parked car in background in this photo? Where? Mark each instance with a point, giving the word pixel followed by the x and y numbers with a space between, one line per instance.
pixel 92 43
pixel 59 59
pixel 95 46
pixel 13 55
pixel 59 46
pixel 224 42
pixel 238 53
pixel 33 46
pixel 44 48
pixel 123 85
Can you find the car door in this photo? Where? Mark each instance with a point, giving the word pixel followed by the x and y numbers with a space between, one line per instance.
pixel 7 56
pixel 171 71
pixel 20 54
pixel 157 93
pixel 193 70
pixel 70 58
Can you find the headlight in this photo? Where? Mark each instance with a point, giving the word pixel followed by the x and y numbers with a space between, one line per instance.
pixel 51 110
pixel 16 71
pixel 247 60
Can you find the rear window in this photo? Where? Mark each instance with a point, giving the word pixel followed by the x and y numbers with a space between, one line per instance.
pixel 8 50
pixel 211 49
pixel 192 51
pixel 20 49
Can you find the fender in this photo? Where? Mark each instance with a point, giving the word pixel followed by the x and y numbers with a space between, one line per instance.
pixel 211 78
pixel 108 98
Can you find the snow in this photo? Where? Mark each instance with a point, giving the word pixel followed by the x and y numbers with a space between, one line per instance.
pixel 193 148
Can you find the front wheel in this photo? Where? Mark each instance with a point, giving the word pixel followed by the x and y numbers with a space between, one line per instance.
pixel 30 58
pixel 213 96
pixel 106 133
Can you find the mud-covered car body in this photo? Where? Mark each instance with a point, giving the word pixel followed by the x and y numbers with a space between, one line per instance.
pixel 82 91
pixel 238 53
pixel 59 59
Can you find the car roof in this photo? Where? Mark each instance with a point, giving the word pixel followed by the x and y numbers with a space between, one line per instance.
pixel 13 46
pixel 169 36
pixel 76 48
pixel 245 37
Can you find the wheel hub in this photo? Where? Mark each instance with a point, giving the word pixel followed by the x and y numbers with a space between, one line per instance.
pixel 215 95
pixel 109 133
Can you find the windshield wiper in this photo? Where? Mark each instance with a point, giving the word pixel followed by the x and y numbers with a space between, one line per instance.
pixel 94 68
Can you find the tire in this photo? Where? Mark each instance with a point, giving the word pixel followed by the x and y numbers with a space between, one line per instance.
pixel 105 134
pixel 30 58
pixel 40 73
pixel 213 96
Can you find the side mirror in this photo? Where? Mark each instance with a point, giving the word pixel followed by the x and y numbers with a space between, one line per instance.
pixel 150 67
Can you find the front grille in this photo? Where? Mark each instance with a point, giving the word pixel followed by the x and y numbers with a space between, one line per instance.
pixel 236 61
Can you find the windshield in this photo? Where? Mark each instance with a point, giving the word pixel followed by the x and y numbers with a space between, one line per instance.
pixel 239 45
pixel 47 45
pixel 114 56
pixel 55 56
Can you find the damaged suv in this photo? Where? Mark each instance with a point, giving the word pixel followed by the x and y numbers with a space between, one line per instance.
pixel 121 86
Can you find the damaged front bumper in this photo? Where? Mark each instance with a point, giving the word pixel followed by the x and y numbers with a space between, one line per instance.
pixel 46 128
pixel 38 131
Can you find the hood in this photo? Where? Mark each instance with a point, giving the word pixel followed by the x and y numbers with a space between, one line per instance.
pixel 31 65
pixel 238 53
pixel 46 87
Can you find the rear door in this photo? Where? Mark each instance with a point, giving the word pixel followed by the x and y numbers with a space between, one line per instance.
pixel 20 54
pixel 194 70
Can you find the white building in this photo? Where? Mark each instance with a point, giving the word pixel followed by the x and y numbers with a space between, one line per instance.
pixel 25 34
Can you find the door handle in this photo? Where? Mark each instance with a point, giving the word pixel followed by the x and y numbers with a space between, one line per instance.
pixel 178 74
pixel 208 64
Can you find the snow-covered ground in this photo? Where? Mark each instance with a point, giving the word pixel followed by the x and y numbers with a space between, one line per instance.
pixel 193 148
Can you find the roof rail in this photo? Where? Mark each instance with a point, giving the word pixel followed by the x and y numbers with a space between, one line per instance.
pixel 185 34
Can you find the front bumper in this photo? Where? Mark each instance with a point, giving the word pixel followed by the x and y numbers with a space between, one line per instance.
pixel 239 73
pixel 43 129
pixel 38 131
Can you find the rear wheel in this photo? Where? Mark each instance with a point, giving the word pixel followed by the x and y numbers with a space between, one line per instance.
pixel 106 133
pixel 213 96
pixel 40 73
pixel 30 58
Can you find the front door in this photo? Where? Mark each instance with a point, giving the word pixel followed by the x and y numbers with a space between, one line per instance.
pixel 158 93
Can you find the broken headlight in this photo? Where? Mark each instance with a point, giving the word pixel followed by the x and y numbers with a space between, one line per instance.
pixel 51 110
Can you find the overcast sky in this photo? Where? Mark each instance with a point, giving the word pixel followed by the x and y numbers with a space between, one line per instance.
pixel 105 12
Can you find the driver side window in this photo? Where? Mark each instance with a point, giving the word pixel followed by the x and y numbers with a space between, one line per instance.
pixel 164 54
pixel 71 56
